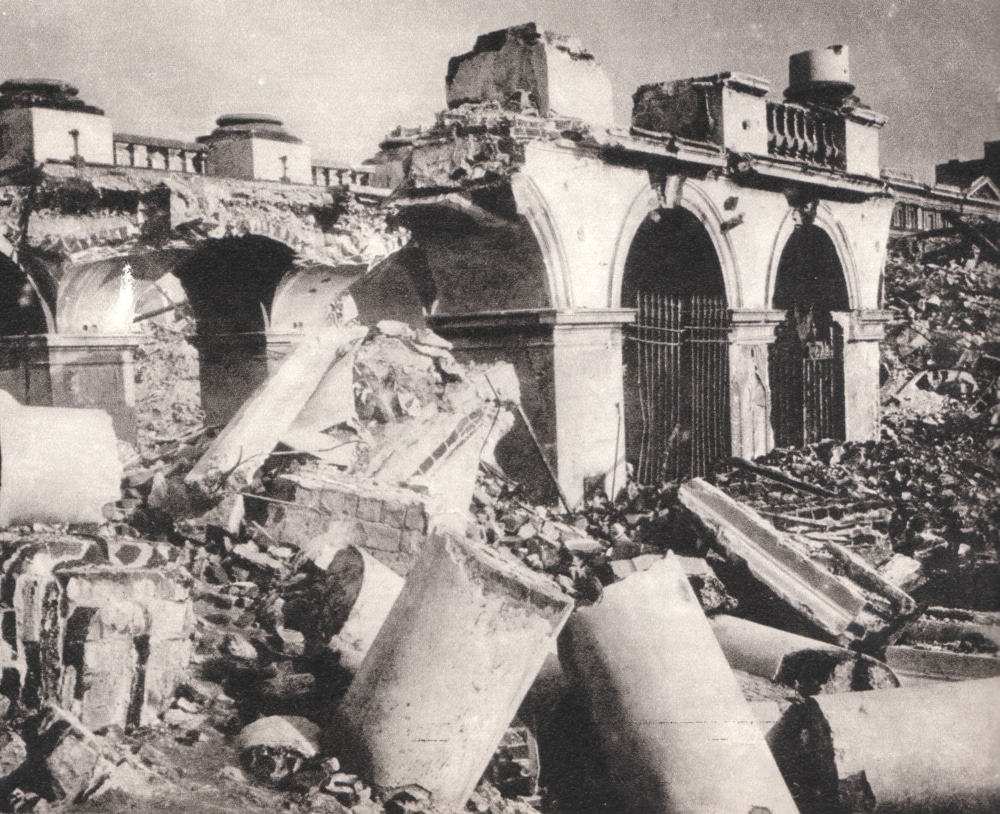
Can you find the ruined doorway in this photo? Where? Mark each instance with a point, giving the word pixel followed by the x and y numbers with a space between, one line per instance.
pixel 23 326
pixel 806 361
pixel 676 361
pixel 230 284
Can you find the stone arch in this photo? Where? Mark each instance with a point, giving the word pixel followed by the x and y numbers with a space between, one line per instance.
pixel 675 356
pixel 824 218
pixel 231 284
pixel 25 318
pixel 532 205
pixel 682 192
pixel 806 360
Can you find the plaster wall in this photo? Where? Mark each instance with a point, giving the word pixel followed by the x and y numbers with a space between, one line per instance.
pixel 267 165
pixel 52 140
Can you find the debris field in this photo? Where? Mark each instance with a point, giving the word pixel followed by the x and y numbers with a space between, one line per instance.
pixel 339 602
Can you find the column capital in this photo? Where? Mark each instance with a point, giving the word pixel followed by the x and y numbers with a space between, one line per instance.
pixel 863 324
pixel 754 326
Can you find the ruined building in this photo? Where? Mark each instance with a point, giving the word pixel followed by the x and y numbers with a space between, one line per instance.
pixel 705 282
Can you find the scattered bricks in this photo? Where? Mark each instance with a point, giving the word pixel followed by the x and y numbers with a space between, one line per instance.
pixel 462 643
pixel 675 729
pixel 806 665
pixel 923 749
pixel 369 509
pixel 376 537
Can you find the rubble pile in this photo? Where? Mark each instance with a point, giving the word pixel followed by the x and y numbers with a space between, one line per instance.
pixel 166 379
pixel 323 607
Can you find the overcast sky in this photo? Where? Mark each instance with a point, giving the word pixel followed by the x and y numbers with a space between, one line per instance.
pixel 342 73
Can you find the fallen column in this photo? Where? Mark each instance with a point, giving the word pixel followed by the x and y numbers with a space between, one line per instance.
pixel 344 605
pixel 832 605
pixel 796 661
pixel 925 749
pixel 60 464
pixel 677 733
pixel 446 673
pixel 241 448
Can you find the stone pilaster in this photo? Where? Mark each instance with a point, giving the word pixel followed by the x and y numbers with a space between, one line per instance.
pixel 569 365
pixel 863 330
pixel 751 333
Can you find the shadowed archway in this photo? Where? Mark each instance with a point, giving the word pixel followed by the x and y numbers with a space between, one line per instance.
pixel 675 355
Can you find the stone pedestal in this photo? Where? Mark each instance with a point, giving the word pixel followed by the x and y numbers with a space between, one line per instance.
pixel 97 371
pixel 569 366
pixel 751 333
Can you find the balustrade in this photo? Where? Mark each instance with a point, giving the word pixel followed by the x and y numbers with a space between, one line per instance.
pixel 159 154
pixel 805 135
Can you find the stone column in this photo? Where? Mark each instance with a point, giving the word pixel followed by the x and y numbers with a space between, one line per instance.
pixel 751 333
pixel 96 370
pixel 863 330
pixel 449 668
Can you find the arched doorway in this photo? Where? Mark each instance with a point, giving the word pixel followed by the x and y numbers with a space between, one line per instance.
pixel 23 326
pixel 806 361
pixel 230 284
pixel 675 355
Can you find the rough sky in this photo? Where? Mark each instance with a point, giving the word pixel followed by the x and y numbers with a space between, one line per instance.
pixel 342 73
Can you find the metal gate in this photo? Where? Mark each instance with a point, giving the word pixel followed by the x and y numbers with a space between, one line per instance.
pixel 681 373
pixel 807 381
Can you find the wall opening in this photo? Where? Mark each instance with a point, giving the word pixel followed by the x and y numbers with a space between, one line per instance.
pixel 230 284
pixel 675 356
pixel 23 351
pixel 806 361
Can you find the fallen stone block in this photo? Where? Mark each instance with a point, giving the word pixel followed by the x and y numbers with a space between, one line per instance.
pixel 447 671
pixel 60 465
pixel 923 749
pixel 674 726
pixel 832 605
pixel 242 447
pixel 804 664
pixel 13 753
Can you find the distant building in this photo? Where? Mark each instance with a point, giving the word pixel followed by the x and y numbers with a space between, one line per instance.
pixel 970 188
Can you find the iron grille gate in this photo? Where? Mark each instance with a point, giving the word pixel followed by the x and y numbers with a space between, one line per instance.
pixel 682 375
pixel 807 388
